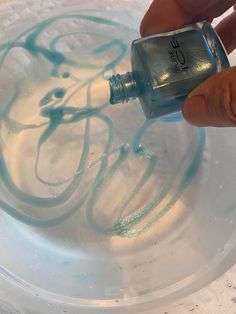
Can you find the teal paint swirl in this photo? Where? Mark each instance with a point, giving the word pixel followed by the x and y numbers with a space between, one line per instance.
pixel 56 111
pixel 53 95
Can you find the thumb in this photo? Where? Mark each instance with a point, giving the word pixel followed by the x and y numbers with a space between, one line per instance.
pixel 213 103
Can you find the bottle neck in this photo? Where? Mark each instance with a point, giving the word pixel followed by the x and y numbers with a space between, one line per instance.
pixel 122 88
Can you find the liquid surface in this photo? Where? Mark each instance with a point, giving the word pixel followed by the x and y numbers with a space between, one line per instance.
pixel 55 110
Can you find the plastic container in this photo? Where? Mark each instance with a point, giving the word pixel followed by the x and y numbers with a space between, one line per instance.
pixel 101 211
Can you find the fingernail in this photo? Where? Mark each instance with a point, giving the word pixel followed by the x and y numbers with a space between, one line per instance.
pixel 195 110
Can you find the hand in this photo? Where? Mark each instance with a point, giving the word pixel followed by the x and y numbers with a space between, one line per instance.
pixel 213 103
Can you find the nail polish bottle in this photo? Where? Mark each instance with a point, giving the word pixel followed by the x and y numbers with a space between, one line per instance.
pixel 167 67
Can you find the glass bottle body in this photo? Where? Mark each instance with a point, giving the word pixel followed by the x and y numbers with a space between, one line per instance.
pixel 167 67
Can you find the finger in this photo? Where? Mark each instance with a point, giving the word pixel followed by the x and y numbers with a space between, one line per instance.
pixel 213 103
pixel 227 32
pixel 212 12
pixel 167 15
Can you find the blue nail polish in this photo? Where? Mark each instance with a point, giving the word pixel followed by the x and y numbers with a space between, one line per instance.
pixel 167 67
